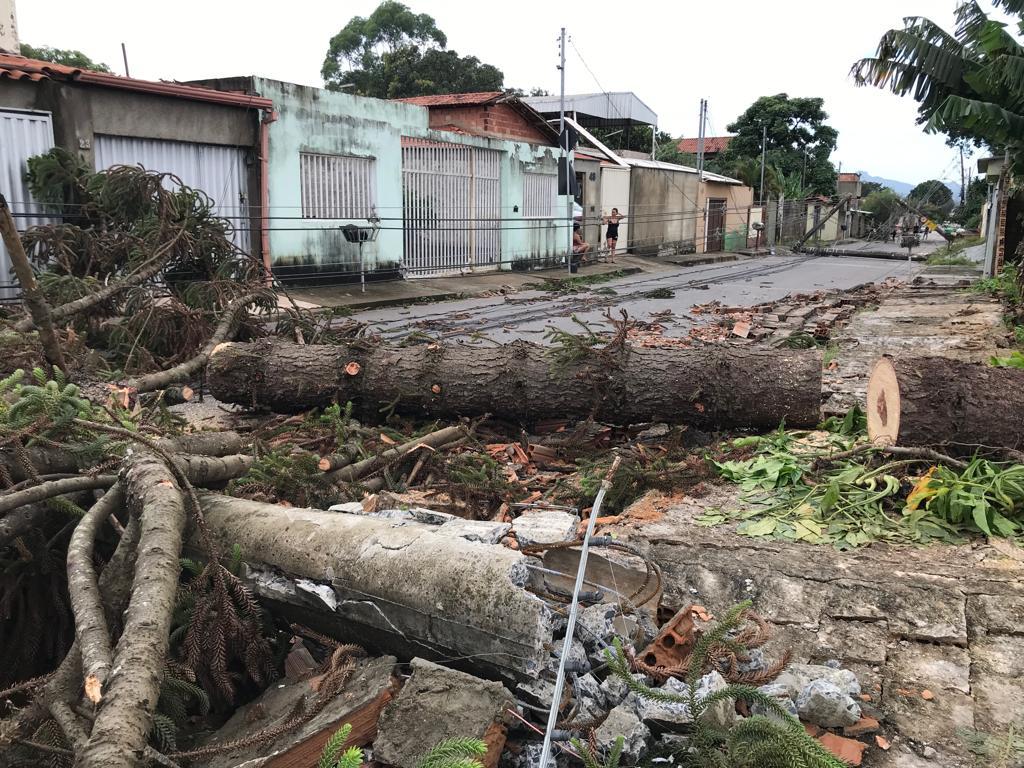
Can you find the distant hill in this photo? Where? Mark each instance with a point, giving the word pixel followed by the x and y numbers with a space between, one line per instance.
pixel 902 188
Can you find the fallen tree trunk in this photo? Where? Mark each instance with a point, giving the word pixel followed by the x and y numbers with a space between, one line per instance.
pixel 713 386
pixel 935 401
pixel 410 590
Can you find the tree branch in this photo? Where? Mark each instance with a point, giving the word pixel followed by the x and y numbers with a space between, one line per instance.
pixel 86 603
pixel 224 331
pixel 36 304
pixel 147 270
pixel 119 735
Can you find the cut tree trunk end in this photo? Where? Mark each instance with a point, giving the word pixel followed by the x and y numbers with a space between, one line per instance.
pixel 523 382
pixel 935 401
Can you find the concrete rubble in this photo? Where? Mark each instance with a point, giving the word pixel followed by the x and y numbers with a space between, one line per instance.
pixel 438 703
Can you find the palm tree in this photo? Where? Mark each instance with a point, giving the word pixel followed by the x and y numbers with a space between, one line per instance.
pixel 968 84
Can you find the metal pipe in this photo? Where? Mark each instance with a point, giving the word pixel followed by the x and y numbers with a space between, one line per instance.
pixel 269 116
pixel 570 628
pixel 563 141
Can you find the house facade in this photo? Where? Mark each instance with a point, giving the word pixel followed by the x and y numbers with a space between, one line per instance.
pixel 455 185
pixel 209 139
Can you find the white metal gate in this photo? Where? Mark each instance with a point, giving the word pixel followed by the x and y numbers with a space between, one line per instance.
pixel 451 196
pixel 217 170
pixel 22 135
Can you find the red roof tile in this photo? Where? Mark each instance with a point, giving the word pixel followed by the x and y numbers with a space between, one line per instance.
pixel 455 99
pixel 712 145
pixel 853 177
pixel 21 68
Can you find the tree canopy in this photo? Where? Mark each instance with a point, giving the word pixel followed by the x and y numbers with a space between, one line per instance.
pixel 798 140
pixel 932 192
pixel 395 53
pixel 66 56
pixel 884 204
pixel 969 83
pixel 867 187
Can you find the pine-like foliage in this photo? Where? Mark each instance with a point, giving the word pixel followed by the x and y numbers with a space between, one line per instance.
pixel 219 635
pixel 455 753
pixel 333 756
pixel 281 475
pixel 752 742
pixel 591 759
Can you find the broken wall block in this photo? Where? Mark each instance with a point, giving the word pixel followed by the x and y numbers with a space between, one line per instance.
pixel 401 589
pixel 371 686
pixel 439 703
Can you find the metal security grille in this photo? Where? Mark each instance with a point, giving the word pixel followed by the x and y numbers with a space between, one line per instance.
pixel 451 206
pixel 219 171
pixel 540 191
pixel 337 186
pixel 22 135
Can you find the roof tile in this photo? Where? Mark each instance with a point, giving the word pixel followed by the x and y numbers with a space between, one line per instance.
pixel 712 145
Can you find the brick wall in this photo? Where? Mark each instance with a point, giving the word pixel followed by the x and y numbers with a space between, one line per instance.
pixel 498 120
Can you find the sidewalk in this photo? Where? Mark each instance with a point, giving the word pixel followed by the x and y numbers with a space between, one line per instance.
pixel 398 292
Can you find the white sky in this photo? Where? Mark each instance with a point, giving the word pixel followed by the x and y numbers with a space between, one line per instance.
pixel 671 53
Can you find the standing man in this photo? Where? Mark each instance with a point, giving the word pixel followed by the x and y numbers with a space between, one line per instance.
pixel 612 235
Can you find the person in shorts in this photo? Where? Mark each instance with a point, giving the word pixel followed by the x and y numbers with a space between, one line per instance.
pixel 612 235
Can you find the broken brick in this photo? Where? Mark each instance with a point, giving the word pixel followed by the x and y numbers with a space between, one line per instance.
pixel 882 742
pixel 850 751
pixel 927 695
pixel 861 727
pixel 673 643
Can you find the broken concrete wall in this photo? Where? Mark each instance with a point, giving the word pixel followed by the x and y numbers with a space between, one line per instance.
pixel 398 586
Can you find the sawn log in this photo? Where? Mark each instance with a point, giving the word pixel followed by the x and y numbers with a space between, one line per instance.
pixel 712 386
pixel 935 401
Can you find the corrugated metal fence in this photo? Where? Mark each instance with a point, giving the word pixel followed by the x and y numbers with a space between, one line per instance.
pixel 452 207
pixel 22 135
pixel 219 171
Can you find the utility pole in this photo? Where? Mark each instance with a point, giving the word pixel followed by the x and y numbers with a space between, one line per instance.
pixel 963 176
pixel 700 139
pixel 563 139
pixel 124 55
pixel 764 144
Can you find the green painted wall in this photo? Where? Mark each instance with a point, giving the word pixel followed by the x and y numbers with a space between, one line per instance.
pixel 316 120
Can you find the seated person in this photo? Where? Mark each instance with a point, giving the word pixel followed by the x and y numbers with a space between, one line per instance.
pixel 580 247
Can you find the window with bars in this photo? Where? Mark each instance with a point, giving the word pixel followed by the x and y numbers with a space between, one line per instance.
pixel 540 192
pixel 337 186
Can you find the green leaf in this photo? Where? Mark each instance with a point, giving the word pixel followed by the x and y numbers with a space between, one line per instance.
pixel 763 527
pixel 807 530
pixel 981 516
pixel 831 497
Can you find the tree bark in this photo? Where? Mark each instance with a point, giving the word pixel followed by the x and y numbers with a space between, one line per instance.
pixel 935 401
pixel 36 304
pixel 225 330
pixel 119 735
pixel 54 461
pixel 53 488
pixel 434 440
pixel 22 520
pixel 91 628
pixel 523 382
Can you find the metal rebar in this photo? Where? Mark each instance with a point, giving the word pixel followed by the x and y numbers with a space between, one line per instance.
pixel 570 629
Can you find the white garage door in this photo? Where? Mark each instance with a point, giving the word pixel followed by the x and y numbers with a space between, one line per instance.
pixel 217 170
pixel 22 135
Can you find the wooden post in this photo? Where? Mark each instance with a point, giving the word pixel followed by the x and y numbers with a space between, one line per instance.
pixel 34 300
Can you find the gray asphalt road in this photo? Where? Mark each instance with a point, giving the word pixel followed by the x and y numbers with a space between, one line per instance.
pixel 528 314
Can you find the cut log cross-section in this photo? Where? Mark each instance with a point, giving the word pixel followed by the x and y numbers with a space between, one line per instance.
pixel 935 401
pixel 523 382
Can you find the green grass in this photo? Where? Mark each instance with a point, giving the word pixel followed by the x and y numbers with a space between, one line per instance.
pixel 952 254
pixel 574 284
pixel 831 353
